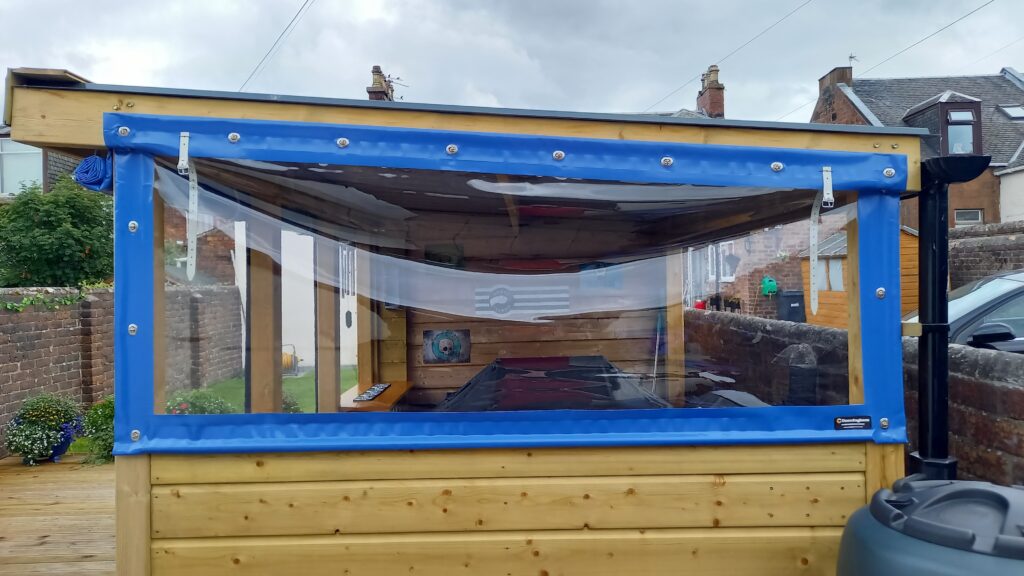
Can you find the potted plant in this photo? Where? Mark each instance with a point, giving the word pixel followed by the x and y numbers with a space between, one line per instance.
pixel 43 428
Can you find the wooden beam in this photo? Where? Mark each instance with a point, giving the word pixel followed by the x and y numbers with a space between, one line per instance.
pixel 654 552
pixel 854 352
pixel 675 352
pixel 886 464
pixel 133 498
pixel 48 117
pixel 484 505
pixel 263 332
pixel 506 463
pixel 159 309
pixel 328 326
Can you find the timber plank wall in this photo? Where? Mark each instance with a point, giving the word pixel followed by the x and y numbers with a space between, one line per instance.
pixel 653 510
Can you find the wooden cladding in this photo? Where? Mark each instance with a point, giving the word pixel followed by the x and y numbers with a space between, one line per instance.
pixel 656 552
pixel 468 505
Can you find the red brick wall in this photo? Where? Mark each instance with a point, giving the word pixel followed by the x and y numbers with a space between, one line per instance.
pixel 979 251
pixel 213 247
pixel 70 350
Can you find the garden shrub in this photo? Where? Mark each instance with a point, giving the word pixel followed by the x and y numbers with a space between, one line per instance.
pixel 99 428
pixel 41 423
pixel 61 238
pixel 199 402
pixel 289 404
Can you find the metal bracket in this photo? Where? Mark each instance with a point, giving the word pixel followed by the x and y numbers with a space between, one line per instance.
pixel 183 163
pixel 828 199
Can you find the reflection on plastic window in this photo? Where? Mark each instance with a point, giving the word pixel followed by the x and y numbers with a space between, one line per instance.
pixel 821 275
pixel 835 275
pixel 462 292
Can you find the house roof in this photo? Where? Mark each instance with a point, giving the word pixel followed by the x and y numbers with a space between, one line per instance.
pixel 835 245
pixel 895 100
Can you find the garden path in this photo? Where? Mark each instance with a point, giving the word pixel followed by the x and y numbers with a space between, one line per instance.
pixel 56 519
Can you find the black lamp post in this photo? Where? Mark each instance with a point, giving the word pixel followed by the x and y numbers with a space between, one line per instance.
pixel 932 457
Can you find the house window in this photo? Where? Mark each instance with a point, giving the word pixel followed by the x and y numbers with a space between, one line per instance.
pixel 1014 112
pixel 722 257
pixel 20 166
pixel 960 132
pixel 968 217
pixel 835 275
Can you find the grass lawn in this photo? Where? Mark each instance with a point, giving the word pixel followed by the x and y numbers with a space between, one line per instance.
pixel 302 388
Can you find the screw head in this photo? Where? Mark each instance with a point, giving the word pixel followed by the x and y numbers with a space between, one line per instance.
pixel 880 293
pixel 124 131
pixel 116 107
pixel 234 137
pixel 133 329
pixel 136 435
pixel 895 146
pixel 889 172
pixel 777 166
pixel 667 161
pixel 876 145
pixel 884 423
pixel 342 142
pixel 133 226
pixel 558 155
pixel 129 104
pixel 451 149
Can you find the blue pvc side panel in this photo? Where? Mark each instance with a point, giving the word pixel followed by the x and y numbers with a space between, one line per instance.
pixel 133 296
pixel 878 217
pixel 507 154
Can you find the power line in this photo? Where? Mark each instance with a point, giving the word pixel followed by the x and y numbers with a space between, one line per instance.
pixel 897 53
pixel 992 53
pixel 737 49
pixel 280 38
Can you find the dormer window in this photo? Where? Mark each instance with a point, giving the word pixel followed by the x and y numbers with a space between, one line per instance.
pixel 1014 112
pixel 960 132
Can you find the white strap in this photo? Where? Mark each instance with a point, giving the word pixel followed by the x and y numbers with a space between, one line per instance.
pixel 183 162
pixel 828 199
pixel 192 217
pixel 815 212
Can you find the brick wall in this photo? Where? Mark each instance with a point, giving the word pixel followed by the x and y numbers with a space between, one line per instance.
pixel 70 350
pixel 986 410
pixel 978 251
pixel 214 264
pixel 58 164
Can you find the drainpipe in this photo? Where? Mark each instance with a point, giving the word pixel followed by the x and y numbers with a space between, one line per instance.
pixel 932 457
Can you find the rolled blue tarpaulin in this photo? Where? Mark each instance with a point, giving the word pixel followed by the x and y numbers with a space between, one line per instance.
pixel 96 173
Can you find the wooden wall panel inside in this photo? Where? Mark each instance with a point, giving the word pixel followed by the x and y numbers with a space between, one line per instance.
pixel 626 339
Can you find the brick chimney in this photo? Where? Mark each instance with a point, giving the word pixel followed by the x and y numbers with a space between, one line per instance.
pixel 380 88
pixel 825 110
pixel 711 98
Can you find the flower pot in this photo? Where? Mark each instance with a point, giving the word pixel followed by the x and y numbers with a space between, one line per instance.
pixel 61 447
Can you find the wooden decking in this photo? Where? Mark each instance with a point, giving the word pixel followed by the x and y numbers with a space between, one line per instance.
pixel 56 519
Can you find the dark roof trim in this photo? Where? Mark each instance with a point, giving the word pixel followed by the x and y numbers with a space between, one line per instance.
pixel 25 81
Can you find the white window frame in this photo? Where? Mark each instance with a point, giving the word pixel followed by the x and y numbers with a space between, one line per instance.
pixel 957 223
pixel 714 265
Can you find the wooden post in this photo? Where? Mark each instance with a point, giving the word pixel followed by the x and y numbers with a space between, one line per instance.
pixel 132 495
pixel 159 309
pixel 854 356
pixel 366 358
pixel 263 333
pixel 328 325
pixel 675 352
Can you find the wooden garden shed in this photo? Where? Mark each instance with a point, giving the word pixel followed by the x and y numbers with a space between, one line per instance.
pixel 834 281
pixel 527 401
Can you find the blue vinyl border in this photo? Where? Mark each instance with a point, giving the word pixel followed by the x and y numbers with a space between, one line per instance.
pixel 628 161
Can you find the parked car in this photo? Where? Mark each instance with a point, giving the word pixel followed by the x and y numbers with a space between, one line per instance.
pixel 988 313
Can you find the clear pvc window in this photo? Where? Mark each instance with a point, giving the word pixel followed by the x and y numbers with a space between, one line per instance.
pixel 292 287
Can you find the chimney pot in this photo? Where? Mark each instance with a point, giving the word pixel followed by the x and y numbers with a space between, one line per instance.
pixel 711 98
pixel 380 87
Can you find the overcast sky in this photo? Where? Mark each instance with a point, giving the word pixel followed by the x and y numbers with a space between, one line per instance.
pixel 590 55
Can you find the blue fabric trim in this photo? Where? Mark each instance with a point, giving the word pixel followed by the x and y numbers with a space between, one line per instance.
pixel 507 154
pixel 588 158
pixel 96 173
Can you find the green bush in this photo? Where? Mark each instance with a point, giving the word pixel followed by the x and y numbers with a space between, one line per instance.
pixel 41 423
pixel 61 238
pixel 289 404
pixel 198 402
pixel 99 428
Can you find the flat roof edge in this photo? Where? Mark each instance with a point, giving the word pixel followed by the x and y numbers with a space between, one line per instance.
pixel 456 109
